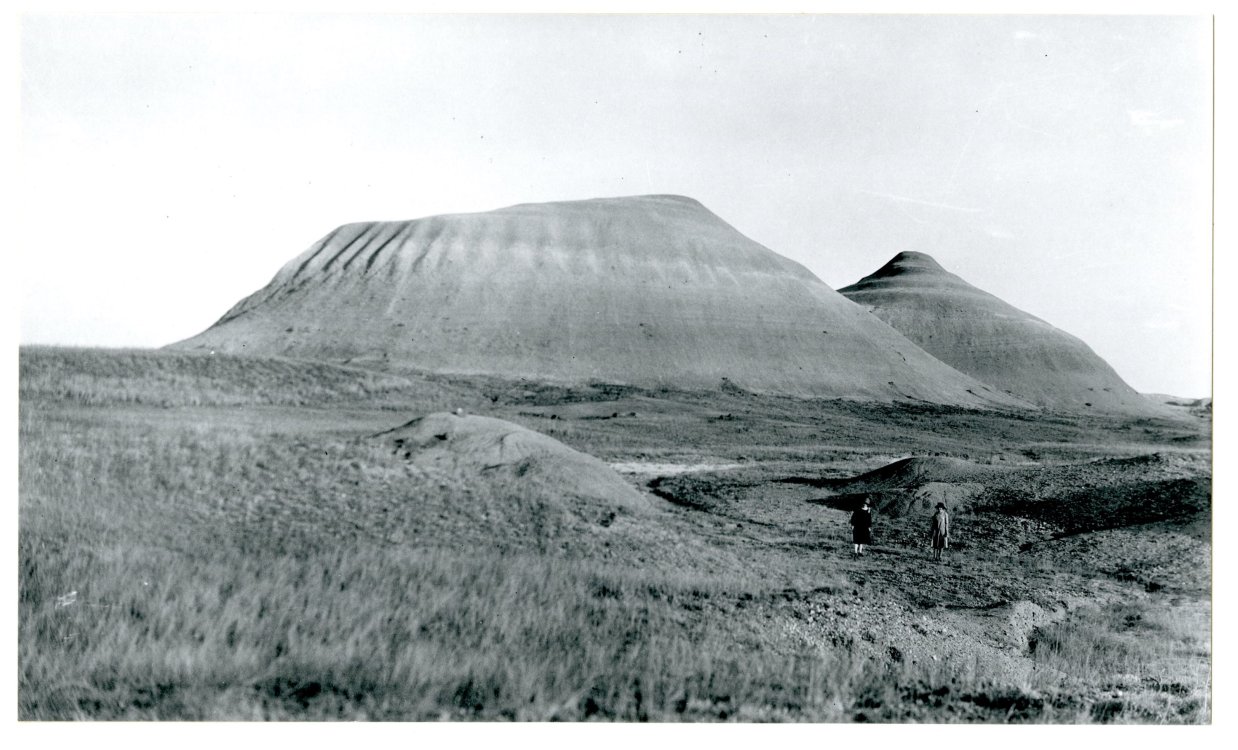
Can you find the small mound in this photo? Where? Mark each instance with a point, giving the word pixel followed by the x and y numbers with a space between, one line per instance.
pixel 505 452
pixel 919 471
pixel 916 484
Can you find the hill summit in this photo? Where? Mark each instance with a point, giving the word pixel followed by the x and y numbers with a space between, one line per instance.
pixel 649 290
pixel 994 342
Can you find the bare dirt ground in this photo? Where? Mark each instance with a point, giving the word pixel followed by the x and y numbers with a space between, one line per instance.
pixel 239 545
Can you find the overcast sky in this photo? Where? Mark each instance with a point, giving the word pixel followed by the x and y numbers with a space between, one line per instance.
pixel 171 164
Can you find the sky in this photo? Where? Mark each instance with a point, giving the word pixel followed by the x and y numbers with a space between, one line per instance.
pixel 169 165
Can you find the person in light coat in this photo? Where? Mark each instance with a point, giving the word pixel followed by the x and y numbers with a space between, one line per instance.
pixel 939 530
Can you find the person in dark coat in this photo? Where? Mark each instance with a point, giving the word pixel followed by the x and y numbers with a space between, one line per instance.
pixel 939 530
pixel 861 528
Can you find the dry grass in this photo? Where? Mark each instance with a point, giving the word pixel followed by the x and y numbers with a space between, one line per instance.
pixel 208 538
pixel 354 634
pixel 180 569
pixel 142 597
pixel 1150 662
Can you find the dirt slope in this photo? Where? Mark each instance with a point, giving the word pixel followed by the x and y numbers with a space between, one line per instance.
pixel 653 290
pixel 979 334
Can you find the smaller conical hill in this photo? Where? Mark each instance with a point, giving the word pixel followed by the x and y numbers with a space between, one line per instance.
pixel 996 343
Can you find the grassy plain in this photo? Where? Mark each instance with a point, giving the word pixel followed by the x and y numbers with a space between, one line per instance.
pixel 221 538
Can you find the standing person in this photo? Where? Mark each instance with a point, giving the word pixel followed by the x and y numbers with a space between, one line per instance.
pixel 939 530
pixel 861 528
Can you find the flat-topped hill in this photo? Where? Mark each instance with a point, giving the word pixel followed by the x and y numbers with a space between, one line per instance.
pixel 650 290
